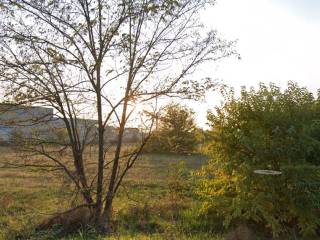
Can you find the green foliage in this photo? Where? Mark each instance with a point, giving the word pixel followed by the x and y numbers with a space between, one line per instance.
pixel 265 129
pixel 176 131
pixel 178 180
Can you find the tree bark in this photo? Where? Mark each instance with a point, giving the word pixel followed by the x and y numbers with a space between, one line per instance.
pixel 100 149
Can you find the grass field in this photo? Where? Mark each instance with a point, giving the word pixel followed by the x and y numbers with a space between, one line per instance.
pixel 145 208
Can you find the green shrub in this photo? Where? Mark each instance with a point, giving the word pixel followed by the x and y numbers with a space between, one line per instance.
pixel 264 129
pixel 176 131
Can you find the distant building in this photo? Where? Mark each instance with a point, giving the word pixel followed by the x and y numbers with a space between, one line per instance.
pixel 23 115
pixel 28 122
pixel 22 120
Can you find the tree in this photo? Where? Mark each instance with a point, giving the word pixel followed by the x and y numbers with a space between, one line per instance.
pixel 176 131
pixel 265 129
pixel 100 59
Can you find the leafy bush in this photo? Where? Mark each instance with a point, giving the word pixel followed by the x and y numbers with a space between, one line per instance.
pixel 265 129
pixel 176 131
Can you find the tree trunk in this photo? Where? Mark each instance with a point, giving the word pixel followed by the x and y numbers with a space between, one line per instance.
pixel 106 218
pixel 101 151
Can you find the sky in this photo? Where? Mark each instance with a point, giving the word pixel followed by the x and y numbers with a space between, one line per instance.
pixel 278 40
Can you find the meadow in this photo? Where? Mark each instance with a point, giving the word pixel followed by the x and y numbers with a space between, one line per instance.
pixel 154 202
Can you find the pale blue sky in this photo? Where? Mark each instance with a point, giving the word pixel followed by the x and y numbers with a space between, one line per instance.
pixel 279 40
pixel 307 9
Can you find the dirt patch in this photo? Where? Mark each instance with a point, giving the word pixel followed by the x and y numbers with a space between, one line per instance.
pixel 242 232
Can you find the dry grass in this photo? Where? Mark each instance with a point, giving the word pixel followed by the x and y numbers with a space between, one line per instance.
pixel 28 196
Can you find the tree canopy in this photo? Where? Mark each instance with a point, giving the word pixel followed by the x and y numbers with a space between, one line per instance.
pixel 98 59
